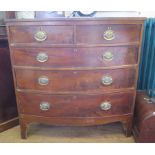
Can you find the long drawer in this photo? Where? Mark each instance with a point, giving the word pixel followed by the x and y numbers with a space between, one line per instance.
pixel 76 105
pixel 75 57
pixel 75 80
pixel 55 34
pixel 107 33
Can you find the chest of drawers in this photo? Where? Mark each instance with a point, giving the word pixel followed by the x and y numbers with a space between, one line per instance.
pixel 76 71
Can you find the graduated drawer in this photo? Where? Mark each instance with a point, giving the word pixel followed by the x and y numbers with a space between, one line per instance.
pixel 75 80
pixel 76 105
pixel 108 34
pixel 41 34
pixel 75 57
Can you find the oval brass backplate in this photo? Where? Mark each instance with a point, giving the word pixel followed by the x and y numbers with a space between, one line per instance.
pixel 44 106
pixel 109 34
pixel 43 80
pixel 40 35
pixel 105 105
pixel 108 56
pixel 42 57
pixel 107 80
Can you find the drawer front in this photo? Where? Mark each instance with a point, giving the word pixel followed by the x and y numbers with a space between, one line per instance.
pixel 75 80
pixel 75 57
pixel 41 34
pixel 76 105
pixel 107 34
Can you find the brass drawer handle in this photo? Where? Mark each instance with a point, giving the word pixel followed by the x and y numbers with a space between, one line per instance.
pixel 105 105
pixel 107 80
pixel 42 57
pixel 109 34
pixel 40 35
pixel 43 80
pixel 108 56
pixel 44 106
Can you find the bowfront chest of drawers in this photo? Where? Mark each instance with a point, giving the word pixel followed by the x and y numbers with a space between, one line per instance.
pixel 75 71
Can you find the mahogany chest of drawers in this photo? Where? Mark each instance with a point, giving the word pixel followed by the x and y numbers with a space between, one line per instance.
pixel 75 71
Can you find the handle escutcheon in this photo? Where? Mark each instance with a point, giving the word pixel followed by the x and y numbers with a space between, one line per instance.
pixel 42 57
pixel 44 106
pixel 43 80
pixel 109 34
pixel 107 80
pixel 105 105
pixel 108 56
pixel 40 35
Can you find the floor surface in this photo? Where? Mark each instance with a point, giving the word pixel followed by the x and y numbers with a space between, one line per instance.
pixel 37 133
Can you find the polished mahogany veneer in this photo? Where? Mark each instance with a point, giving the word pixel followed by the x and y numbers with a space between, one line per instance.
pixel 56 34
pixel 76 57
pixel 75 80
pixel 93 34
pixel 75 71
pixel 80 105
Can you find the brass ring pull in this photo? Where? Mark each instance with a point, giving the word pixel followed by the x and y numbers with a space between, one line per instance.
pixel 40 35
pixel 44 106
pixel 105 105
pixel 43 80
pixel 107 80
pixel 108 56
pixel 109 34
pixel 42 57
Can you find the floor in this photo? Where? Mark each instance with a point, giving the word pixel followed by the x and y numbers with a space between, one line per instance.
pixel 37 133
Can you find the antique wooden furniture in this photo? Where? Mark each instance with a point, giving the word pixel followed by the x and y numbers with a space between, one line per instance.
pixel 75 71
pixel 8 108
pixel 144 122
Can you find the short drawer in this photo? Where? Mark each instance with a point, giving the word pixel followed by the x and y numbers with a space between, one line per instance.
pixel 76 105
pixel 108 34
pixel 41 34
pixel 75 80
pixel 75 57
